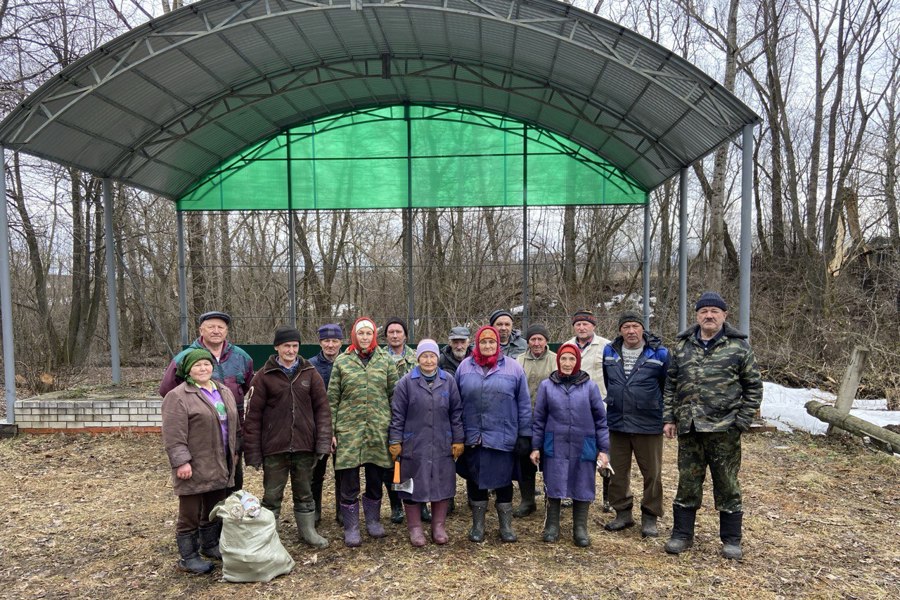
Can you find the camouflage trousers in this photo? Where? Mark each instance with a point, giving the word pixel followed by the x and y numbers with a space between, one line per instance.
pixel 721 452
pixel 277 468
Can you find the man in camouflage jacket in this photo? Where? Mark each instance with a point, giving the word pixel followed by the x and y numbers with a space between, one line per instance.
pixel 712 394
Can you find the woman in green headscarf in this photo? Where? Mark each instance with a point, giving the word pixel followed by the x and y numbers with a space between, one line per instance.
pixel 199 430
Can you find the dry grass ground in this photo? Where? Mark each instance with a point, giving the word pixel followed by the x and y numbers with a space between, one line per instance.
pixel 92 517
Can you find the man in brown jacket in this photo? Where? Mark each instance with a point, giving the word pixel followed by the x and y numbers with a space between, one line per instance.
pixel 287 429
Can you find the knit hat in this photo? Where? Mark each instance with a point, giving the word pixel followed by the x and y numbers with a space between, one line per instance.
pixel 630 316
pixel 497 314
pixel 459 333
pixel 397 321
pixel 183 371
pixel 569 349
pixel 330 331
pixel 286 334
pixel 584 314
pixel 537 329
pixel 214 314
pixel 427 345
pixel 711 299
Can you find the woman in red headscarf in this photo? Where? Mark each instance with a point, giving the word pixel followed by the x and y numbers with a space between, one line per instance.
pixel 569 437
pixel 497 423
pixel 359 394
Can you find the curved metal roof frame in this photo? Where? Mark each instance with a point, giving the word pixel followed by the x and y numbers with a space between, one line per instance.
pixel 159 106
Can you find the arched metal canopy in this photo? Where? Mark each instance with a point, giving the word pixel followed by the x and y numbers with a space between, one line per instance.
pixel 159 106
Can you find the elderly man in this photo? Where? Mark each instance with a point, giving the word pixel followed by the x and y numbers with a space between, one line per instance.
pixel 233 367
pixel 634 368
pixel 712 394
pixel 330 339
pixel 591 345
pixel 512 344
pixel 288 429
pixel 539 362
pixel 456 350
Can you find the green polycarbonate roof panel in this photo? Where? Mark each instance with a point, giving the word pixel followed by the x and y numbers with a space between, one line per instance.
pixel 420 156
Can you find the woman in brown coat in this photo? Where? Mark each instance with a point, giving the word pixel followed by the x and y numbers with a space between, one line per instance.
pixel 199 430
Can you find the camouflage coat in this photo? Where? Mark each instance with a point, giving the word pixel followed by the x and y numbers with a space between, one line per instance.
pixel 360 400
pixel 713 388
pixel 405 363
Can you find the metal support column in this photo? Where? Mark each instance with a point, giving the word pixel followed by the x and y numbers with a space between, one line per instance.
pixel 746 228
pixel 682 249
pixel 408 245
pixel 111 300
pixel 646 263
pixel 525 311
pixel 292 267
pixel 182 279
pixel 9 362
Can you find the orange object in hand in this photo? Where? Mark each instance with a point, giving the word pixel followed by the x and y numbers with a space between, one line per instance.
pixel 396 472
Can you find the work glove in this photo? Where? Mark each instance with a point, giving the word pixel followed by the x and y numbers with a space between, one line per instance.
pixel 523 445
pixel 395 450
pixel 456 450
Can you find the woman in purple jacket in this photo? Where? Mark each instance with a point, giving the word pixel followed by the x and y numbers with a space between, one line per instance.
pixel 570 439
pixel 497 422
pixel 426 435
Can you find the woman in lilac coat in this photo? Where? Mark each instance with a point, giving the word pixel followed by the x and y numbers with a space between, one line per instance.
pixel 569 439
pixel 426 435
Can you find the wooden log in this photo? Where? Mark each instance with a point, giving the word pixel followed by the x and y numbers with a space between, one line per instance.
pixel 854 425
pixel 850 381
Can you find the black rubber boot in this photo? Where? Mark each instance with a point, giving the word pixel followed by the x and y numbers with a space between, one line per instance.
pixel 188 547
pixel 730 525
pixel 527 505
pixel 317 498
pixel 579 523
pixel 396 507
pixel 209 540
pixel 426 513
pixel 551 521
pixel 623 520
pixel 648 525
pixel 504 515
pixel 479 509
pixel 338 513
pixel 683 520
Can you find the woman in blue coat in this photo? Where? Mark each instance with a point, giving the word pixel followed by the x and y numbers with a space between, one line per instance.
pixel 569 439
pixel 426 434
pixel 497 421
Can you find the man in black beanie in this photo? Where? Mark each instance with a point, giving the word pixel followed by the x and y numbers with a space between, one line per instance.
pixel 712 394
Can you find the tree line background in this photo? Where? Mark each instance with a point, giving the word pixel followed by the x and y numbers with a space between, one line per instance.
pixel 826 251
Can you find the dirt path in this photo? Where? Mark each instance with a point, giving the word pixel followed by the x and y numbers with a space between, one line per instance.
pixel 93 517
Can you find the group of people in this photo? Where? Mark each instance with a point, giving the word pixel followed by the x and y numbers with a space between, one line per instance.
pixel 492 411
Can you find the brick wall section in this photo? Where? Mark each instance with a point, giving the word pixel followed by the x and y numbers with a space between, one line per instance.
pixel 89 416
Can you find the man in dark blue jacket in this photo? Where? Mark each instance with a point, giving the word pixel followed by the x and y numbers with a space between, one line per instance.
pixel 330 339
pixel 634 368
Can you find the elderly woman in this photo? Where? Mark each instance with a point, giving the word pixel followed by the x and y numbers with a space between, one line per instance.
pixel 199 429
pixel 569 438
pixel 497 423
pixel 359 393
pixel 426 435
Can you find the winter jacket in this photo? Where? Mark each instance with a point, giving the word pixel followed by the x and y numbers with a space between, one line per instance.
pixel 634 403
pixel 592 360
pixel 447 362
pixel 286 415
pixel 516 345
pixel 323 367
pixel 360 400
pixel 405 362
pixel 191 433
pixel 234 368
pixel 712 388
pixel 537 370
pixel 496 405
pixel 570 430
pixel 426 421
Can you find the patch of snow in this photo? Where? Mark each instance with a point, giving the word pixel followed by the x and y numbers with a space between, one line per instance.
pixel 785 408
